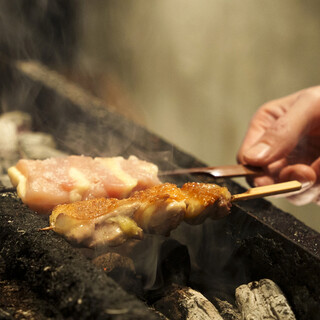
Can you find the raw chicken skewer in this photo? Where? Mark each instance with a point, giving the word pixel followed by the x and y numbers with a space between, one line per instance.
pixel 44 184
pixel 156 210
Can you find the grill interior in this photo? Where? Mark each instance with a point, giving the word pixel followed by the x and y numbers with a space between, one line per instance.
pixel 255 241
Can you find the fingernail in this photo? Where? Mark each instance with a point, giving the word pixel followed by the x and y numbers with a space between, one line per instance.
pixel 258 151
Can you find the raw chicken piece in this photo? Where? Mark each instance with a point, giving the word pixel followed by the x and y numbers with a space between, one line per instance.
pixel 156 210
pixel 44 184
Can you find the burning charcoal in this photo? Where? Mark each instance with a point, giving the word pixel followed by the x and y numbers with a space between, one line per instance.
pixel 38 145
pixel 161 316
pixel 8 141
pixel 185 303
pixel 21 120
pixel 112 260
pixel 174 262
pixel 11 123
pixel 27 139
pixel 4 315
pixel 263 299
pixel 5 181
pixel 169 263
pixel 121 269
pixel 227 310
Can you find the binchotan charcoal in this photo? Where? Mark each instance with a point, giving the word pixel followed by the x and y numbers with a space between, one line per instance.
pixel 112 260
pixel 5 183
pixel 227 310
pixel 56 272
pixel 263 299
pixel 5 315
pixel 170 264
pixel 184 303
pixel 11 123
pixel 38 145
pixel 122 270
pixel 21 120
pixel 174 263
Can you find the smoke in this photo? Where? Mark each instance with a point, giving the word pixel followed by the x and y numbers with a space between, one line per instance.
pixel 43 30
pixel 214 269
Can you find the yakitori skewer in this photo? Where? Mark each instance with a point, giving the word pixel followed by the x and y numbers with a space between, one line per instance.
pixel 156 210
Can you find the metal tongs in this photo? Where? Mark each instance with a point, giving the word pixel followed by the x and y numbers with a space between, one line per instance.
pixel 240 170
pixel 237 170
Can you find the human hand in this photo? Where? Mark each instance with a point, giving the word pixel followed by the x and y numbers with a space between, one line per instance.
pixel 284 139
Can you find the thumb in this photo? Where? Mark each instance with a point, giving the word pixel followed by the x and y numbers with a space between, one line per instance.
pixel 278 140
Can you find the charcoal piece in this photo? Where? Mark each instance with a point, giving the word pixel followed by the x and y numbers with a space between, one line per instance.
pixel 5 182
pixel 57 272
pixel 11 123
pixel 21 120
pixel 4 315
pixel 263 299
pixel 27 139
pixel 111 260
pixel 8 141
pixel 227 310
pixel 38 145
pixel 122 270
pixel 160 261
pixel 184 303
pixel 174 263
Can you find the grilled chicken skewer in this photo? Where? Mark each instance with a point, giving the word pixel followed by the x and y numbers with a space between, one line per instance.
pixel 156 210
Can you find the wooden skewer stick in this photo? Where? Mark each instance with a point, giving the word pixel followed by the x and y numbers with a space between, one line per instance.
pixel 47 228
pixel 270 190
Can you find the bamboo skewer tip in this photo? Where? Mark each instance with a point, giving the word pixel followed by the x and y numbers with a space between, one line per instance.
pixel 47 228
pixel 269 190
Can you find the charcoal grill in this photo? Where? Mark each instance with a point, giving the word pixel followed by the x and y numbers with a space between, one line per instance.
pixel 255 241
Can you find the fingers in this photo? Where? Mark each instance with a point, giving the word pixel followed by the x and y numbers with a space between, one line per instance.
pixel 301 172
pixel 278 127
pixel 316 167
pixel 271 175
pixel 278 140
pixel 263 119
pixel 284 139
pixel 307 176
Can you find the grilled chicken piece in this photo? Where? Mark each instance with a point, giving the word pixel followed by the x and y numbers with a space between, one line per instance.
pixel 156 210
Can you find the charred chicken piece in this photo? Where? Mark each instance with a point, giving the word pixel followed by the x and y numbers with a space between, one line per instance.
pixel 156 210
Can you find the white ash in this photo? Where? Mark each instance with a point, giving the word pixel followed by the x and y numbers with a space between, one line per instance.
pixel 21 120
pixel 263 299
pixel 38 145
pixel 8 139
pixel 18 141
